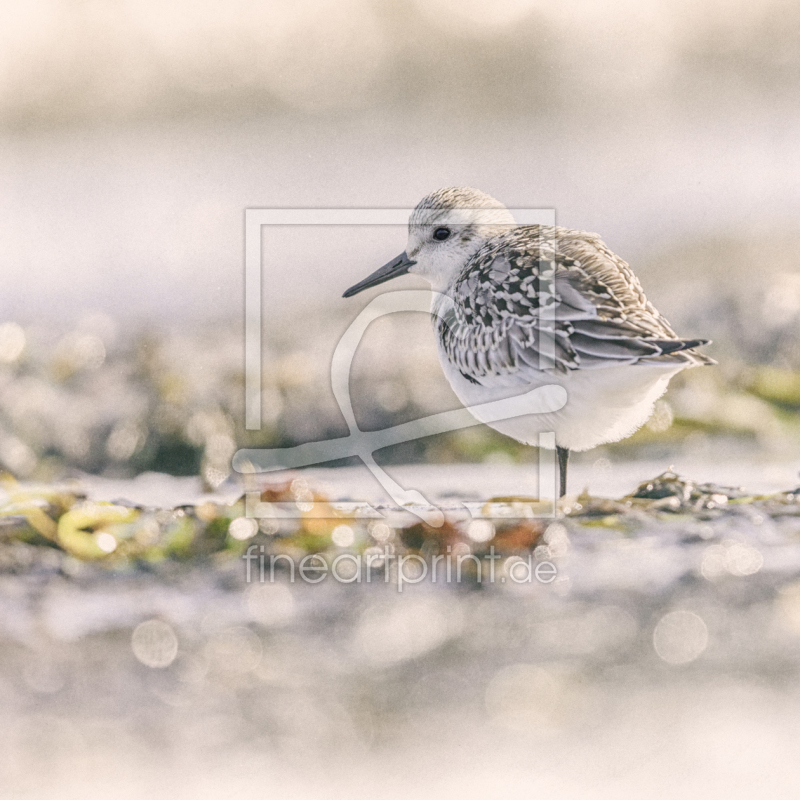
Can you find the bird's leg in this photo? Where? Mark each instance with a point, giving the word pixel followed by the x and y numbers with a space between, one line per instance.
pixel 563 458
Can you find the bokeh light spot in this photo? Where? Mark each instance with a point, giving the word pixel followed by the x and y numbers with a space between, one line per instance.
pixel 243 528
pixel 154 643
pixel 680 637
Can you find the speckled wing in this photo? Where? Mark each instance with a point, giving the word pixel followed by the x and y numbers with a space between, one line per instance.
pixel 555 300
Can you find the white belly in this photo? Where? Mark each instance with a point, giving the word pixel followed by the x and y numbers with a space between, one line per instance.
pixel 603 405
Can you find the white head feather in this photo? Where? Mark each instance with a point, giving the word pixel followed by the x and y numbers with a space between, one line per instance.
pixel 448 227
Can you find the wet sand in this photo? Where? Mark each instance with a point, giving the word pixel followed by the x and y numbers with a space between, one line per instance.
pixel 666 652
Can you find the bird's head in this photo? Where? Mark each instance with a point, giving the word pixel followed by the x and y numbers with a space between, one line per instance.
pixel 444 231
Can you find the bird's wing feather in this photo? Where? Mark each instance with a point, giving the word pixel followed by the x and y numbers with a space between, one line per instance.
pixel 551 299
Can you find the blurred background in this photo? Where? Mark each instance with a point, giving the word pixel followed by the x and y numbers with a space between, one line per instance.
pixel 134 135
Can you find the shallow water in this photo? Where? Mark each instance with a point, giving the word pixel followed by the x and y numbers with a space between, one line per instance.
pixel 664 656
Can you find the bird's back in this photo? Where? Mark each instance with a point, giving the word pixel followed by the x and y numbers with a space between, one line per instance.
pixel 552 299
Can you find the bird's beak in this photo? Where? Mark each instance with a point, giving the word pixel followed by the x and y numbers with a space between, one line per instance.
pixel 396 267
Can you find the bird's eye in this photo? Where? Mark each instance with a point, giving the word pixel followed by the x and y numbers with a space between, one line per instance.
pixel 440 234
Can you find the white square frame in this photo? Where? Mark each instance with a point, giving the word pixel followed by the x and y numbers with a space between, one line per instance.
pixel 258 218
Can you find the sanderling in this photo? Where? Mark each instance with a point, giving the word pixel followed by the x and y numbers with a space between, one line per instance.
pixel 516 307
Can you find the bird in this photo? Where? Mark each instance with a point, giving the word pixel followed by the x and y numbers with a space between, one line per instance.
pixel 521 306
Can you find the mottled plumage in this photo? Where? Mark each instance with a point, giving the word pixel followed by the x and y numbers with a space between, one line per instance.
pixel 555 300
